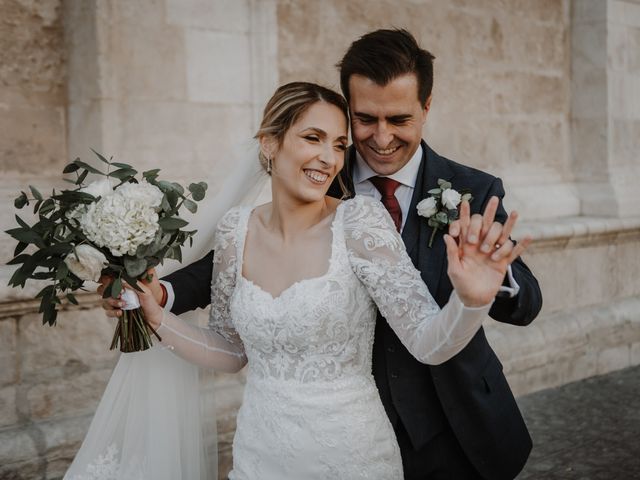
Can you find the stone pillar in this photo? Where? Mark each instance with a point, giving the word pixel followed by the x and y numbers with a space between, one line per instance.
pixel 605 105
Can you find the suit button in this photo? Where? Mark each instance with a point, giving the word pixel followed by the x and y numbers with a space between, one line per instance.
pixel 394 375
pixel 391 349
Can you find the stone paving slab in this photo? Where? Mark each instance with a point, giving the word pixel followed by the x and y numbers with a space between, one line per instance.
pixel 586 430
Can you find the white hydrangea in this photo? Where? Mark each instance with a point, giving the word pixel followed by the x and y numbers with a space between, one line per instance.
pixel 123 221
pixel 144 193
pixel 99 188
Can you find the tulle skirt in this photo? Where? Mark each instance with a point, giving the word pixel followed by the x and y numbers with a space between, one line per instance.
pixel 147 425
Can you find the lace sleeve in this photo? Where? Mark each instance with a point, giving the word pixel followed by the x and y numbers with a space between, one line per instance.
pixel 218 346
pixel 378 257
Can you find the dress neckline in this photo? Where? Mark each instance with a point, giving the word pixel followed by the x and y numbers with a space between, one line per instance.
pixel 242 236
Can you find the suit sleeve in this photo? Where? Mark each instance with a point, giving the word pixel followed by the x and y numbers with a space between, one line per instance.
pixel 192 285
pixel 524 307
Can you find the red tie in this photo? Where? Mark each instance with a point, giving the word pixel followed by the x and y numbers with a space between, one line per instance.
pixel 387 188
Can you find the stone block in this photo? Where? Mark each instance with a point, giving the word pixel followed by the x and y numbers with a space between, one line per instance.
pixel 32 139
pixel 480 142
pixel 589 99
pixel 625 145
pixel 81 336
pixel 8 410
pixel 530 93
pixel 539 46
pixel 593 270
pixel 614 358
pixel 624 99
pixel 218 67
pixel 75 393
pixel 17 448
pixel 221 15
pixel 480 39
pixel 633 50
pixel 623 12
pixel 588 46
pixel 588 11
pixel 148 63
pixel 8 350
pixel 590 147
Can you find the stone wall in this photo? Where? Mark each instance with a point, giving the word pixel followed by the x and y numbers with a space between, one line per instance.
pixel 32 98
pixel 501 91
pixel 542 93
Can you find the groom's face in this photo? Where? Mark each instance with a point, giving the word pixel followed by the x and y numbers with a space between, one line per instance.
pixel 386 121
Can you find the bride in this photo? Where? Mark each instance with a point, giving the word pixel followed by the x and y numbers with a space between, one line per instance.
pixel 296 284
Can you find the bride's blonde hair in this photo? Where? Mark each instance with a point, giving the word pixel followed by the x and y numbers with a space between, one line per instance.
pixel 287 105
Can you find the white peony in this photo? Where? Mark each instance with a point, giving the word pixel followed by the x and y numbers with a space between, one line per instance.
pixel 119 223
pixel 450 198
pixel 86 263
pixel 99 188
pixel 427 207
pixel 144 193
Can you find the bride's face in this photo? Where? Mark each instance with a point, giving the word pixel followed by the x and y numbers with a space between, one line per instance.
pixel 311 154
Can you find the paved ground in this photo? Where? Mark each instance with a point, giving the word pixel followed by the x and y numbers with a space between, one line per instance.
pixel 585 430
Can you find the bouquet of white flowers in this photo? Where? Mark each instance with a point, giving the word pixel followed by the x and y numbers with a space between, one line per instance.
pixel 118 226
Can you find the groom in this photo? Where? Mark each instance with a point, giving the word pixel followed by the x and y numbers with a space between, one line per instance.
pixel 457 420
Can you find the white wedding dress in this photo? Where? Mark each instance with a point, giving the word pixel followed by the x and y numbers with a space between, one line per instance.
pixel 311 409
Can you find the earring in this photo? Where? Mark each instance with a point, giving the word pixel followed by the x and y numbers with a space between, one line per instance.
pixel 269 164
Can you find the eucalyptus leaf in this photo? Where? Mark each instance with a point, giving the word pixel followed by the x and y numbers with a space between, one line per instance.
pixel 135 266
pixel 20 248
pixel 442 217
pixel 21 200
pixel 197 190
pixel 122 165
pixel 88 167
pixel 62 271
pixel 18 259
pixel 82 177
pixel 36 194
pixel 70 168
pixel 172 223
pixel 116 288
pixel 190 205
pixel 102 159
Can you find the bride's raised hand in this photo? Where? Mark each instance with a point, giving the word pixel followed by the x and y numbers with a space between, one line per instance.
pixel 478 262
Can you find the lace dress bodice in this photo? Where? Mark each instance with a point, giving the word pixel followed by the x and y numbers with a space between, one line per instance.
pixel 309 349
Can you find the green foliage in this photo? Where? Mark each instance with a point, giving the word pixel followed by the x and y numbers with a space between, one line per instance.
pixel 55 234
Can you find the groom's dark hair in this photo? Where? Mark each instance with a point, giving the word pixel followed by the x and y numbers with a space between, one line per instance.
pixel 384 55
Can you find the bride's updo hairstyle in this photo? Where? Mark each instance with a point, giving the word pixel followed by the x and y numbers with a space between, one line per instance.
pixel 288 104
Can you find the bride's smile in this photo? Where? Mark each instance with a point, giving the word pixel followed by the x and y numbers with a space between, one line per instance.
pixel 310 155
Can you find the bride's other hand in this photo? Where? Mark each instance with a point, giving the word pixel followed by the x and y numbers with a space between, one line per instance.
pixel 478 262
pixel 112 306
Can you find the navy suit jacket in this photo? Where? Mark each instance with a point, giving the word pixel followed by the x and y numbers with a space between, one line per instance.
pixel 468 392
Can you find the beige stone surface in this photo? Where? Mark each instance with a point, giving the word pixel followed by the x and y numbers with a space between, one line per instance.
pixel 80 339
pixel 8 351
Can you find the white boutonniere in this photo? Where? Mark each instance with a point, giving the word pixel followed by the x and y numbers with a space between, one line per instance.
pixel 440 208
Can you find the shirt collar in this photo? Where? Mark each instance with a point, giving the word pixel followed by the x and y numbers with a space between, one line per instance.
pixel 407 175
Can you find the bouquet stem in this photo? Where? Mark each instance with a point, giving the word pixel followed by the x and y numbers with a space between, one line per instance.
pixel 133 333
